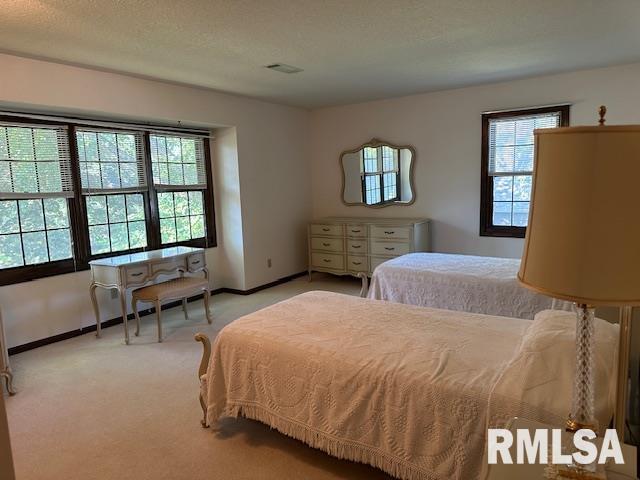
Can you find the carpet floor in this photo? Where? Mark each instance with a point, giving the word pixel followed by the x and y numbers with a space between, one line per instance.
pixel 92 408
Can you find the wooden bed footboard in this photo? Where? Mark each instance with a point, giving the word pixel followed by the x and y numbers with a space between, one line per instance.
pixel 204 363
pixel 365 284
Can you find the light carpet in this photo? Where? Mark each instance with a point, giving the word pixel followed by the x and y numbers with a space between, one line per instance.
pixel 92 408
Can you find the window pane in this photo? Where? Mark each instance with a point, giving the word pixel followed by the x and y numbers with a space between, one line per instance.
pixel 523 158
pixel 24 177
pixel 522 187
pixel 96 209
pixel 99 238
pixel 197 226
pixel 135 207
pixel 9 217
pixel 502 188
pixel 183 227
pixel 20 143
pixel 56 213
pixel 137 235
pixel 119 237
pixel 31 215
pixel 177 160
pixel 502 213
pixel 168 230
pixel 129 175
pixel 520 214
pixel 107 147
pixel 165 205
pixel 117 210
pixel 10 251
pixel 59 244
pixel 181 201
pixel 195 203
pixel 35 248
pixel 49 176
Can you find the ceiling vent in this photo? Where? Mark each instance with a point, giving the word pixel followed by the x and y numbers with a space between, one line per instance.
pixel 283 68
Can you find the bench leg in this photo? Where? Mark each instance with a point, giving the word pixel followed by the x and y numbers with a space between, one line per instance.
pixel 207 297
pixel 184 308
pixel 134 307
pixel 158 310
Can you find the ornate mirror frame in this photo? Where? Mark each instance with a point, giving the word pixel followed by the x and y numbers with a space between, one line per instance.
pixel 376 142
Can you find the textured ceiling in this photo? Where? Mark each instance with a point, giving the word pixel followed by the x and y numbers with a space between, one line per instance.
pixel 350 50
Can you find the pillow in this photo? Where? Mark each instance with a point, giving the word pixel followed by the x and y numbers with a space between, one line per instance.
pixel 538 381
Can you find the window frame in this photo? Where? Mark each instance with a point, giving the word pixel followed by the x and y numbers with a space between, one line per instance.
pixel 487 228
pixel 380 174
pixel 79 225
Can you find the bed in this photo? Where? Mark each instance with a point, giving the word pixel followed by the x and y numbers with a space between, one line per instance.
pixel 406 389
pixel 458 282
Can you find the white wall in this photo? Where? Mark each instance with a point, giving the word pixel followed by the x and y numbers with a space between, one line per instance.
pixel 445 129
pixel 260 163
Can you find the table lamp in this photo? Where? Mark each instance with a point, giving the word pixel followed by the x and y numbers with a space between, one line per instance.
pixel 583 239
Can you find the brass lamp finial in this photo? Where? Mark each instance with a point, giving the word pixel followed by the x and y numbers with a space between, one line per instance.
pixel 602 111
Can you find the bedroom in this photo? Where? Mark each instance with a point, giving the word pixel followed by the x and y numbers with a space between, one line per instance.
pixel 276 141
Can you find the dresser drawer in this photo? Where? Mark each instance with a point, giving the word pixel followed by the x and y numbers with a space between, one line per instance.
pixel 196 262
pixel 390 248
pixel 356 231
pixel 327 244
pixel 170 266
pixel 356 246
pixel 323 229
pixel 357 263
pixel 375 261
pixel 327 260
pixel 403 233
pixel 136 274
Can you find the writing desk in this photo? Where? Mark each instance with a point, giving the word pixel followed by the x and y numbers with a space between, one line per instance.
pixel 137 269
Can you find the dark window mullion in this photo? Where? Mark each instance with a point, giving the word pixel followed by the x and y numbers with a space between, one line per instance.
pixel 152 214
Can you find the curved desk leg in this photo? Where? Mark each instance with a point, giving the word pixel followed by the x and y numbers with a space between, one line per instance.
pixel 8 378
pixel 123 306
pixel 96 311
pixel 365 284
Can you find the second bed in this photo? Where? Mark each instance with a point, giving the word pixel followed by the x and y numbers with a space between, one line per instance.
pixel 466 283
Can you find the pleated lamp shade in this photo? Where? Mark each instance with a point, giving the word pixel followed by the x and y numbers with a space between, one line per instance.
pixel 583 237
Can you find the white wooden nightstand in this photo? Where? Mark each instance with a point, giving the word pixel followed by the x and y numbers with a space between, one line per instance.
pixel 536 472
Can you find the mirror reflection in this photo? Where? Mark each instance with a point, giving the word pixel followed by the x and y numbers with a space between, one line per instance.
pixel 378 174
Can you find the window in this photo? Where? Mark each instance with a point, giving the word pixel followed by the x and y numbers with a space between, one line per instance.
pixel 71 192
pixel 380 171
pixel 180 179
pixel 507 166
pixel 35 185
pixel 114 184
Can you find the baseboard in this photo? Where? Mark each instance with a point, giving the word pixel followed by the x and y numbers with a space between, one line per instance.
pixel 118 320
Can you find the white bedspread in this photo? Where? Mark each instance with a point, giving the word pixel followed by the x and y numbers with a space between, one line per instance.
pixel 458 282
pixel 403 388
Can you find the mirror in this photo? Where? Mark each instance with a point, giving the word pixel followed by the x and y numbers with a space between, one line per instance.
pixel 378 174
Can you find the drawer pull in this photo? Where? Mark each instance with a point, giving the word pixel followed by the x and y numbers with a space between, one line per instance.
pixel 136 274
pixel 326 229
pixel 356 246
pixel 326 244
pixel 356 231
pixel 357 263
pixel 326 260
pixel 390 248
pixel 195 262
pixel 389 233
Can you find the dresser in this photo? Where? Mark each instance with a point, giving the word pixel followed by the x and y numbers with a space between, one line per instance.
pixel 137 269
pixel 357 245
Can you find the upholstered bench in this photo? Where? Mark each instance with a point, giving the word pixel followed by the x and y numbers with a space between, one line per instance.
pixel 177 288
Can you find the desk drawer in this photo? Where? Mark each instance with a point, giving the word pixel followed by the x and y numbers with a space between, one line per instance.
pixel 390 248
pixel 357 246
pixel 327 260
pixel 322 229
pixel 327 244
pixel 357 263
pixel 403 233
pixel 196 262
pixel 136 274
